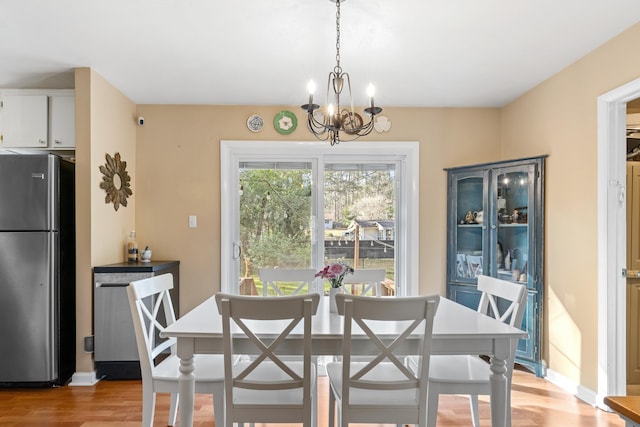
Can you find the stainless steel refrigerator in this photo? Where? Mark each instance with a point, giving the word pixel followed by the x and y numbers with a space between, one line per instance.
pixel 37 270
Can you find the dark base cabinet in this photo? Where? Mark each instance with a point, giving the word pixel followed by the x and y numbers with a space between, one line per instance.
pixel 496 228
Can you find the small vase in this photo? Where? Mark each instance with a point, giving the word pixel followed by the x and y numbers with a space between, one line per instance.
pixel 333 308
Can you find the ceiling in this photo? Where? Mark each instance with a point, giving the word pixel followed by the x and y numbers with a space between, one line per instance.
pixel 444 53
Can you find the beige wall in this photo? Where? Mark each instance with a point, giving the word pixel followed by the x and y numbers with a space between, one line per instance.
pixel 178 161
pixel 104 124
pixel 559 118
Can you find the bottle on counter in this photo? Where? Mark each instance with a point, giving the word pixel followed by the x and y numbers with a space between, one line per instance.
pixel 132 248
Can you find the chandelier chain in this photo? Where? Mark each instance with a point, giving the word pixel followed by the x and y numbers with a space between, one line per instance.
pixel 338 69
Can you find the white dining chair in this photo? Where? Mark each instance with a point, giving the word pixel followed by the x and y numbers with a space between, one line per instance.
pixel 370 280
pixel 382 389
pixel 303 278
pixel 466 374
pixel 267 388
pixel 152 312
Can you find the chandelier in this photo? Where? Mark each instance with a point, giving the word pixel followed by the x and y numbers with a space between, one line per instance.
pixel 337 123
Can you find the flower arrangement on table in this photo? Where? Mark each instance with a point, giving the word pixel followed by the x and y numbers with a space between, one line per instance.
pixel 335 273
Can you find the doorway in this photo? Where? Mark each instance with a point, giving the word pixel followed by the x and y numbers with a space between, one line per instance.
pixel 612 111
pixel 633 248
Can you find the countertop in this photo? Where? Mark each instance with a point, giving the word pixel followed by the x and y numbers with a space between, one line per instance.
pixel 626 406
pixel 131 267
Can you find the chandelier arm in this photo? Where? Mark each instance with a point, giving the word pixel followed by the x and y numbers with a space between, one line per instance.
pixel 324 136
pixel 363 130
pixel 334 136
pixel 362 127
pixel 315 127
pixel 319 127
pixel 320 132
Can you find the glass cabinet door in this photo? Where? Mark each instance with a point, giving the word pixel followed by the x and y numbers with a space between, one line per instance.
pixel 512 196
pixel 470 230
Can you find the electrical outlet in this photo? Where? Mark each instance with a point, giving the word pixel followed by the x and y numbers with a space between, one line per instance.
pixel 88 344
pixel 193 221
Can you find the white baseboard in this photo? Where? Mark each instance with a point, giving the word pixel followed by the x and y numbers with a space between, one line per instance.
pixel 84 379
pixel 581 392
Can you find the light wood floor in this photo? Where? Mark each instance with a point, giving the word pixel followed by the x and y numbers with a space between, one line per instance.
pixel 536 402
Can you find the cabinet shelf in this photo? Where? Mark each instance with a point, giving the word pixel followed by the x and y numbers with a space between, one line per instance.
pixel 504 225
pixel 500 190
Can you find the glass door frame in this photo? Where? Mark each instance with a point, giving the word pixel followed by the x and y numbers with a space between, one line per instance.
pixel 530 171
pixel 406 156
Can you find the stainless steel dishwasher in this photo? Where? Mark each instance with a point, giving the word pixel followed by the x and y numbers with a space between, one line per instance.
pixel 115 349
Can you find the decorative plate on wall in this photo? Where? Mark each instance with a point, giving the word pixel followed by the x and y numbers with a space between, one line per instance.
pixel 285 122
pixel 382 124
pixel 255 123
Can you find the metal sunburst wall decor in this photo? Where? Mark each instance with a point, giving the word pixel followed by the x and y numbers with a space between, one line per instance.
pixel 116 181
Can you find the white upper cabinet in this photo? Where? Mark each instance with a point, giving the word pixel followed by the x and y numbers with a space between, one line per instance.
pixel 23 121
pixel 62 132
pixel 37 119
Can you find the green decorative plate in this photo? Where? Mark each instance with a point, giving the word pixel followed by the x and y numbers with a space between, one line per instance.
pixel 285 122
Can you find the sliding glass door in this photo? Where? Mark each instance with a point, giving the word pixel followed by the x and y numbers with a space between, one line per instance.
pixel 359 216
pixel 302 205
pixel 275 218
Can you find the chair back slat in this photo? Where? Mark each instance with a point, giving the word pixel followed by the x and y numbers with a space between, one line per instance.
pixel 495 290
pixel 288 312
pixel 301 278
pixel 152 311
pixel 268 352
pixel 411 315
pixel 370 279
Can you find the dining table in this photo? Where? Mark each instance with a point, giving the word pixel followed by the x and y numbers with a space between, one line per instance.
pixel 456 330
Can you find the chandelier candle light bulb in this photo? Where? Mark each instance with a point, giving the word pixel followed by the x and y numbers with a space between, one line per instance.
pixel 371 90
pixel 311 87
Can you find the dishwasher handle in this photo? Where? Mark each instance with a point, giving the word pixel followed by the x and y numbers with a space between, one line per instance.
pixel 111 285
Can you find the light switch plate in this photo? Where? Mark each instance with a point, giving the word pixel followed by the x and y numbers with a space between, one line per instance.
pixel 193 221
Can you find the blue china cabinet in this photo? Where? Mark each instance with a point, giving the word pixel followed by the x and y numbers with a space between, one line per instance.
pixel 495 227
